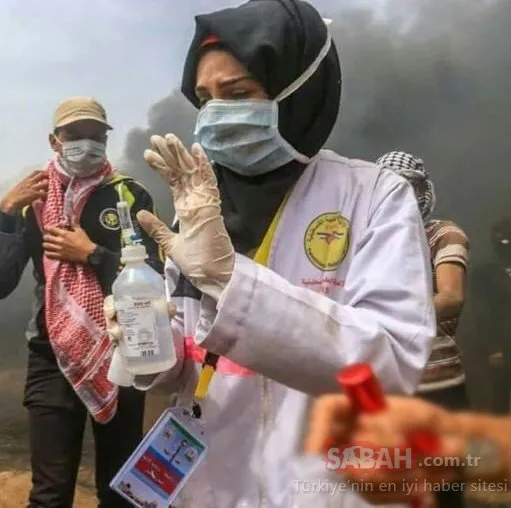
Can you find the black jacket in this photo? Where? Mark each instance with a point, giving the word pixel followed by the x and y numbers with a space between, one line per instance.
pixel 21 241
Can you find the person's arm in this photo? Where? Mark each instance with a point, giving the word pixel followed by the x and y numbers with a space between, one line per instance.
pixel 451 261
pixel 13 249
pixel 450 298
pixel 13 252
pixel 301 339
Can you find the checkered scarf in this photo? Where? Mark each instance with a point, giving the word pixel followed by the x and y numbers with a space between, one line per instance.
pixel 74 300
pixel 412 168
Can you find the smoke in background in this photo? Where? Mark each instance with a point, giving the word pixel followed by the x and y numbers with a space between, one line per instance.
pixel 439 90
pixel 433 79
pixel 171 114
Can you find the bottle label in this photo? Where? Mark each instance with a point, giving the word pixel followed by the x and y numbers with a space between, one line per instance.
pixel 137 320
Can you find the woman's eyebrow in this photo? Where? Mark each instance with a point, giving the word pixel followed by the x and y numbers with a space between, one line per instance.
pixel 234 81
pixel 228 82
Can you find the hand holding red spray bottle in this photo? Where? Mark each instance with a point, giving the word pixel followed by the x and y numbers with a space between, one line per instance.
pixel 361 386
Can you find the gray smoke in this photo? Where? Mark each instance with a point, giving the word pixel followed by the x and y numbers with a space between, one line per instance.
pixel 439 90
pixel 171 114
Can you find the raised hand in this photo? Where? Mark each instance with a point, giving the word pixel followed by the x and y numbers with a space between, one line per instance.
pixel 202 249
pixel 27 190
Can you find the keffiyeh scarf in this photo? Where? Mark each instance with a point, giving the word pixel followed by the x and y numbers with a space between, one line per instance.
pixel 74 299
pixel 412 168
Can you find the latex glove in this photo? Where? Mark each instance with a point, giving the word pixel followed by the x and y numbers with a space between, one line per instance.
pixel 202 250
pixel 112 326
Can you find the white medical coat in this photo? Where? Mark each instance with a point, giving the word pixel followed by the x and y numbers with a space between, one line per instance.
pixel 285 330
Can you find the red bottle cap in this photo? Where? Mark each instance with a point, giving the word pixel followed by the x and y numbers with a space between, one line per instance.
pixel 364 390
pixel 362 387
pixel 366 395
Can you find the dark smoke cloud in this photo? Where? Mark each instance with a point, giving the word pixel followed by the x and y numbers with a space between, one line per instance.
pixel 433 79
pixel 439 90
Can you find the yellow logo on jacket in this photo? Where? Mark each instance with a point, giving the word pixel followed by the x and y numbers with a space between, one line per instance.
pixel 327 240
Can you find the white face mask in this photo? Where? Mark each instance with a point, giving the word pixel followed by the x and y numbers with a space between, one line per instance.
pixel 83 157
pixel 243 135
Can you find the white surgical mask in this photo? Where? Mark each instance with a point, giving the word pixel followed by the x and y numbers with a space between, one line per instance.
pixel 243 135
pixel 83 157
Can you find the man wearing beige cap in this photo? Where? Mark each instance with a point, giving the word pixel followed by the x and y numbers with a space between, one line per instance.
pixel 64 219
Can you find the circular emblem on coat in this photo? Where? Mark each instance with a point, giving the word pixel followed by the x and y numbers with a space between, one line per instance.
pixel 109 219
pixel 327 241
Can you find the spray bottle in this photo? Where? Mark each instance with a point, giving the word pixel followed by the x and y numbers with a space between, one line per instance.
pixel 147 346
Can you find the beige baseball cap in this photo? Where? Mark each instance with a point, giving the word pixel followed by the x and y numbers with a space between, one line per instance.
pixel 74 109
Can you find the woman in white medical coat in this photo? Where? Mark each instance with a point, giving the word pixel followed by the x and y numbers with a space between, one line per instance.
pixel 290 261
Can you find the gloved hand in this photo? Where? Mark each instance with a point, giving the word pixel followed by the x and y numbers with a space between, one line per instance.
pixel 202 250
pixel 112 326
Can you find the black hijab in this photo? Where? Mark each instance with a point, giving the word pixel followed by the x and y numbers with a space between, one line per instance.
pixel 276 40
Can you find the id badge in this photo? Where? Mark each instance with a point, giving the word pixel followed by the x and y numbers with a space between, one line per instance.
pixel 163 462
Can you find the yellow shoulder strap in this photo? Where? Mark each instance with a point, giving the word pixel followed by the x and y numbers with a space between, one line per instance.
pixel 124 193
pixel 262 254
pixel 118 177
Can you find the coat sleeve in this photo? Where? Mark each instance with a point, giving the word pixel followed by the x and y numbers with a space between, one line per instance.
pixel 14 254
pixel 301 338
